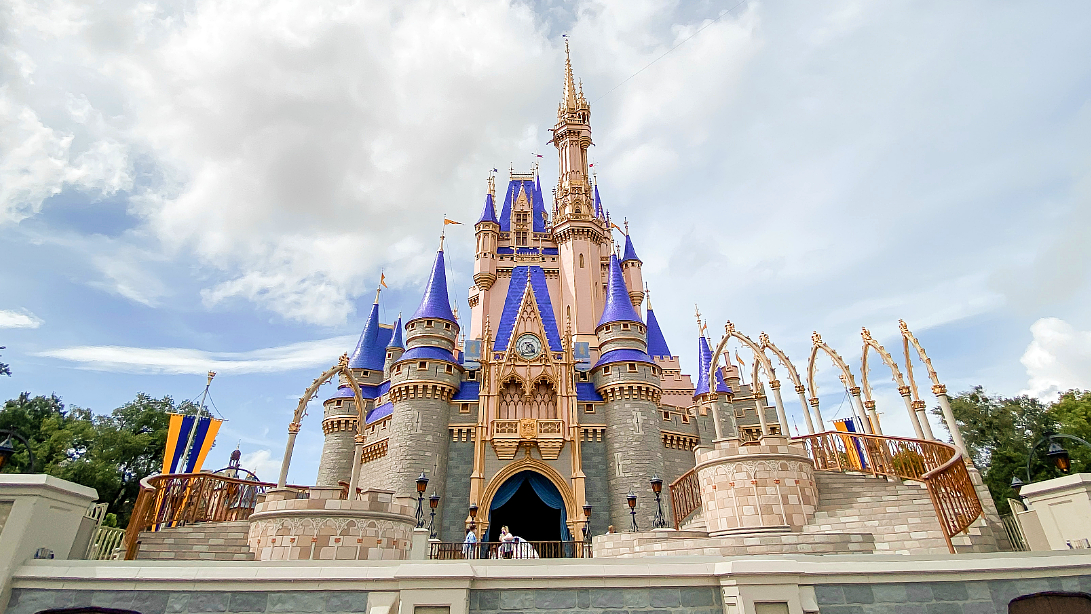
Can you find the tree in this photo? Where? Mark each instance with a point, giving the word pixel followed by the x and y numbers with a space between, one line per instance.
pixel 5 369
pixel 1000 432
pixel 109 453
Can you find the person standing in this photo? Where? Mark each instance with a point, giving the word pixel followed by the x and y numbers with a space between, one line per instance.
pixel 506 542
pixel 469 545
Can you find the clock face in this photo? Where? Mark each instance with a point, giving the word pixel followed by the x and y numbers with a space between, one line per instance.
pixel 528 346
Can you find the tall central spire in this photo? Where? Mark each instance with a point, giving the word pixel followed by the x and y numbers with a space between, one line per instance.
pixel 572 137
pixel 570 101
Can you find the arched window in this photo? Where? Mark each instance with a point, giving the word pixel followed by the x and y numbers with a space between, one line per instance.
pixel 568 311
pixel 1049 602
pixel 581 261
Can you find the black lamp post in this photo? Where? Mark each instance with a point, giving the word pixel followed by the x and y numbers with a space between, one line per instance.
pixel 657 487
pixel 1016 484
pixel 433 502
pixel 631 500
pixel 7 449
pixel 586 521
pixel 422 485
pixel 1055 453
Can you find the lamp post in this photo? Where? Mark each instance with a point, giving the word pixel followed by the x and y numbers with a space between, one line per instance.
pixel 433 502
pixel 7 449
pixel 587 530
pixel 422 485
pixel 1055 452
pixel 631 500
pixel 657 487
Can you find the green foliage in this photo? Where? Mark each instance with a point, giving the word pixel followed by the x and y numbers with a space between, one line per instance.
pixel 908 462
pixel 109 453
pixel 999 433
pixel 5 369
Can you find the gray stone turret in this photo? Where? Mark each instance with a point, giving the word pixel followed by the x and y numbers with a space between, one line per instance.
pixel 628 380
pixel 422 382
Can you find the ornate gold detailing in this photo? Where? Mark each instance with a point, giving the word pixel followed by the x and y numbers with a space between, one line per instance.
pixel 337 424
pixel 633 391
pixel 462 432
pixel 903 390
pixel 800 389
pixel 405 391
pixel 869 404
pixel 918 404
pixel 775 384
pixel 939 389
pixel 679 441
pixel 592 433
pixel 374 451
pixel 293 427
pixel 508 435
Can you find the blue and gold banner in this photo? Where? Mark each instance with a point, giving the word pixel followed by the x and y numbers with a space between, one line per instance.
pixel 180 449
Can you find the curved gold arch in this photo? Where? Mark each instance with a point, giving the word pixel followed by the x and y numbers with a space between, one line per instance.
pixel 767 343
pixel 896 374
pixel 938 388
pixel 817 344
pixel 341 367
pixel 760 358
pixel 529 463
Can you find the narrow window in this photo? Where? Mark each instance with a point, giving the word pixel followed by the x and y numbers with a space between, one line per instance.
pixel 589 409
pixel 624 327
pixel 606 370
pixel 429 323
pixel 389 355
pixel 464 408
pixel 581 261
pixel 398 370
pixel 365 373
pixel 667 416
pixel 632 367
pixel 472 376
pixel 422 366
pixel 449 369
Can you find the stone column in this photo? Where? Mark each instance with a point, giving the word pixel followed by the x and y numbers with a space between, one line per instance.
pixel 634 453
pixel 801 391
pixel 779 402
pixel 904 391
pixel 949 416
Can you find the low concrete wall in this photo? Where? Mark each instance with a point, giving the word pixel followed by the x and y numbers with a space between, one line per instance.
pixel 796 584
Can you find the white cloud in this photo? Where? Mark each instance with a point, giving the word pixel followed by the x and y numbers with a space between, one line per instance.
pixel 178 361
pixel 1057 359
pixel 18 319
pixel 262 463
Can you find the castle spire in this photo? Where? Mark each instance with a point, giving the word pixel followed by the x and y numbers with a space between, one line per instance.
pixel 368 353
pixel 618 308
pixel 657 343
pixel 396 338
pixel 570 100
pixel 435 303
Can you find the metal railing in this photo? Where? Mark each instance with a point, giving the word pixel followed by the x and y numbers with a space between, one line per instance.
pixel 104 542
pixel 510 550
pixel 685 497
pixel 940 466
pixel 175 500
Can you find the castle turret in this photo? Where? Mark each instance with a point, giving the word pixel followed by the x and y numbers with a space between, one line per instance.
pixel 340 415
pixel 422 382
pixel 706 399
pixel 630 266
pixel 395 348
pixel 487 231
pixel 628 380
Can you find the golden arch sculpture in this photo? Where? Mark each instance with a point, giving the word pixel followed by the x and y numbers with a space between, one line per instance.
pixel 341 367
pixel 817 344
pixel 573 512
pixel 767 343
pixel 938 389
pixel 869 403
pixel 760 358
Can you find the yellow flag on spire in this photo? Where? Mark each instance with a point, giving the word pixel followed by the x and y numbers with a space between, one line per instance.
pixel 382 280
pixel 447 221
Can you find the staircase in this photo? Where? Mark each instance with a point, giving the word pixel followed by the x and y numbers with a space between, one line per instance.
pixel 204 541
pixel 899 514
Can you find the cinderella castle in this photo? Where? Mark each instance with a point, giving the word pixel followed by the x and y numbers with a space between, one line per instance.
pixel 565 392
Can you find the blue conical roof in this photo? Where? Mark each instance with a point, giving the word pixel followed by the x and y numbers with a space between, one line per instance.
pixel 370 351
pixel 630 253
pixel 539 210
pixel 619 308
pixel 657 344
pixel 599 211
pixel 488 214
pixel 435 303
pixel 396 340
pixel 704 361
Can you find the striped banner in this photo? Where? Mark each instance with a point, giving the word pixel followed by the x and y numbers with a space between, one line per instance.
pixel 181 429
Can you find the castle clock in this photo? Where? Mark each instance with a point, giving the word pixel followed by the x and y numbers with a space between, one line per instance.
pixel 528 346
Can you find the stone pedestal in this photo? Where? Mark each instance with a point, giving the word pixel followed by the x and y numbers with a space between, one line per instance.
pixel 760 487
pixel 372 527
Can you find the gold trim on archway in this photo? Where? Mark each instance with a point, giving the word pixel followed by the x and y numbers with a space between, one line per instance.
pixel 531 464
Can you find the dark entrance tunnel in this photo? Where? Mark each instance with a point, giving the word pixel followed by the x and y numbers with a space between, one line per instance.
pixel 526 516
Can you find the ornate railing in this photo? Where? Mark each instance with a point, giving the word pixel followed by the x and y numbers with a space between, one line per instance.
pixel 175 500
pixel 685 496
pixel 510 550
pixel 941 467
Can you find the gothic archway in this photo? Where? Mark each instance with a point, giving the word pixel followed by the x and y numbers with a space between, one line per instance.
pixel 573 516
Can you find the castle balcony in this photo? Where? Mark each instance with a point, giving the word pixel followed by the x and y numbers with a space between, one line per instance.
pixel 508 435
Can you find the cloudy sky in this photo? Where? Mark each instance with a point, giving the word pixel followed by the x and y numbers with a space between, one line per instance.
pixel 216 185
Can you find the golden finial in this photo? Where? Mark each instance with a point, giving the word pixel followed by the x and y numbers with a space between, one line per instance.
pixel 816 338
pixel 763 338
pixel 648 295
pixel 343 361
pixel 697 313
pixel 569 83
pixel 626 223
pixel 492 184
pixel 729 327
pixel 865 333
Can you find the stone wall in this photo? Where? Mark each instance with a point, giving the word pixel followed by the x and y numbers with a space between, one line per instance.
pixel 665 600
pixel 454 507
pixel 983 597
pixel 30 601
pixel 596 484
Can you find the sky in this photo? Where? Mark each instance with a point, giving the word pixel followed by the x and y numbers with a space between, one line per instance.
pixel 217 185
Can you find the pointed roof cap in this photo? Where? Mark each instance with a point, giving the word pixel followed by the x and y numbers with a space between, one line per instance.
pixel 630 253
pixel 488 213
pixel 396 339
pixel 599 212
pixel 569 81
pixel 618 308
pixel 370 349
pixel 657 343
pixel 435 303
pixel 704 360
